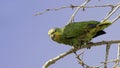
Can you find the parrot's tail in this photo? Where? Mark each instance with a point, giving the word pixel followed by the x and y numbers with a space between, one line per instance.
pixel 105 24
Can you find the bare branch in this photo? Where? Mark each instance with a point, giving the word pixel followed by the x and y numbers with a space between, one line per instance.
pixel 107 53
pixel 111 13
pixel 54 9
pixel 75 12
pixel 118 17
pixel 52 61
pixel 73 6
pixel 118 57
pixel 113 60
pixel 81 62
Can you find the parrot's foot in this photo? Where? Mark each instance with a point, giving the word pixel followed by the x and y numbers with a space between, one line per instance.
pixel 90 43
pixel 76 47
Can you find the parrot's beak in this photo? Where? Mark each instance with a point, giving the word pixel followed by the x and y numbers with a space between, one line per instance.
pixel 50 32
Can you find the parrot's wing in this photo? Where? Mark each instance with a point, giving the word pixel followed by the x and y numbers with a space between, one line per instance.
pixel 78 28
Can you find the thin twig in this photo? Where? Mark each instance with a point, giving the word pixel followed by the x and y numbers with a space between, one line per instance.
pixel 54 9
pixel 75 12
pixel 74 6
pixel 111 13
pixel 113 60
pixel 118 17
pixel 118 57
pixel 107 53
pixel 80 60
pixel 83 63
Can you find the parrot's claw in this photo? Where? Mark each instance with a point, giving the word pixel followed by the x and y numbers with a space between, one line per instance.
pixel 89 46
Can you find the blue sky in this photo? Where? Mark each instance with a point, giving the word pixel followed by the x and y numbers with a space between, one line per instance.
pixel 24 42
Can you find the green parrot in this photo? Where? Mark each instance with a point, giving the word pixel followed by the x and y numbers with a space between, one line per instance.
pixel 78 33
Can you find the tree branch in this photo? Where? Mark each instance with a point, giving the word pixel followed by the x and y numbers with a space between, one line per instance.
pixel 116 18
pixel 74 6
pixel 75 12
pixel 52 61
pixel 118 57
pixel 81 62
pixel 107 53
pixel 111 13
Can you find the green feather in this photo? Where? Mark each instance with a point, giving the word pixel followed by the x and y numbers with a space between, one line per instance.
pixel 78 28
pixel 78 33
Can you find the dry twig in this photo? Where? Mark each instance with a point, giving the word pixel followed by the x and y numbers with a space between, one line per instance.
pixel 111 13
pixel 74 6
pixel 118 57
pixel 75 12
pixel 107 53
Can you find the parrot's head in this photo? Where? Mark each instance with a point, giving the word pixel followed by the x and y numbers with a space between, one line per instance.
pixel 55 34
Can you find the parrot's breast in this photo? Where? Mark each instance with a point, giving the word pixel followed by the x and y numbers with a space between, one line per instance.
pixel 57 36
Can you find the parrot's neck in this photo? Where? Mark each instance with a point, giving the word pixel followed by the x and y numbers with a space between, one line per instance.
pixel 58 36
